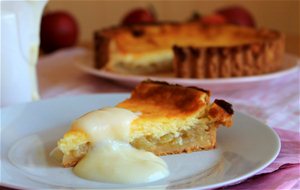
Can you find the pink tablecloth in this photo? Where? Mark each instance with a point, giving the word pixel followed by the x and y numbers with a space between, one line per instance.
pixel 276 103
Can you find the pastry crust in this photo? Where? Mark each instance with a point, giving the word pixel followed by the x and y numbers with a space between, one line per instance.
pixel 190 50
pixel 256 58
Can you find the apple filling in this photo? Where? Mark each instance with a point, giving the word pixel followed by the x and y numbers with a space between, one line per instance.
pixel 184 141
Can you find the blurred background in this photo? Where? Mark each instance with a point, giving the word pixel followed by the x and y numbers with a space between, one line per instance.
pixel 92 15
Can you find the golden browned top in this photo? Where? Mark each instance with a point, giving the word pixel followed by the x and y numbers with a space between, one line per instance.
pixel 146 38
pixel 159 99
pixel 165 108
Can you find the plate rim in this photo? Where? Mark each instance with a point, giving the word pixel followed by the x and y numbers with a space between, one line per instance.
pixel 87 67
pixel 264 165
pixel 220 184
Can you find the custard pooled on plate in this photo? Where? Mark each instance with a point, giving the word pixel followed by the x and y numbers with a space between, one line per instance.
pixel 171 119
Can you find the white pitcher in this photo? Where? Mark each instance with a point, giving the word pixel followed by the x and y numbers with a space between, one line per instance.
pixel 20 39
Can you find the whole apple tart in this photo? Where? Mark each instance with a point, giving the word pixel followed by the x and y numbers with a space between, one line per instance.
pixel 189 50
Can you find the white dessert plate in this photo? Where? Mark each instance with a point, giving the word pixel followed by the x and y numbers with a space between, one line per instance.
pixel 291 65
pixel 30 131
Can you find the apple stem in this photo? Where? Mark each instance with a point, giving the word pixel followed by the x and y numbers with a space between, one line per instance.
pixel 195 16
pixel 152 10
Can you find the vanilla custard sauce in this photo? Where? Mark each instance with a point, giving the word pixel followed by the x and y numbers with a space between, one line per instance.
pixel 111 157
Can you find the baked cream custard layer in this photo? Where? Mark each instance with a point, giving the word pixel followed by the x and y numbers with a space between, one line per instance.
pixel 121 144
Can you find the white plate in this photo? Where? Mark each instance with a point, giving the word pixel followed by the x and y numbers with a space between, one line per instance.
pixel 291 65
pixel 30 131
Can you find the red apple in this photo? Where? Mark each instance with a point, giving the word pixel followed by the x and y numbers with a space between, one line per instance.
pixel 214 19
pixel 237 15
pixel 139 15
pixel 58 30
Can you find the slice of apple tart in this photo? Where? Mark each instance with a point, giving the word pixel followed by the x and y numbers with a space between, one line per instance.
pixel 171 119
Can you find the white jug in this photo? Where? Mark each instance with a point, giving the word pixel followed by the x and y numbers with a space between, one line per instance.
pixel 20 39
